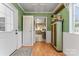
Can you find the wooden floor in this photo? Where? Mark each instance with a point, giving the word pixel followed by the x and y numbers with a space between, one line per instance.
pixel 44 49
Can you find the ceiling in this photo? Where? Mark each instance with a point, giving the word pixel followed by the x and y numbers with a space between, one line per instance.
pixel 38 7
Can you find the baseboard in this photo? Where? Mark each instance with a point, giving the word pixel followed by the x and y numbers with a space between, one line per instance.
pixel 27 46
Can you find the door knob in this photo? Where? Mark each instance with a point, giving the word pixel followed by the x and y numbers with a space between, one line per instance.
pixel 16 31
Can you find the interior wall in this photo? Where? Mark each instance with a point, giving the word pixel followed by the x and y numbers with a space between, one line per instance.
pixel 65 16
pixel 20 17
pixel 67 44
pixel 70 40
pixel 20 25
pixel 64 13
pixel 48 33
pixel 20 20
pixel 43 14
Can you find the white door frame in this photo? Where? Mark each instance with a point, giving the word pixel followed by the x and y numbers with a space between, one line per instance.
pixel 32 30
pixel 33 27
pixel 46 27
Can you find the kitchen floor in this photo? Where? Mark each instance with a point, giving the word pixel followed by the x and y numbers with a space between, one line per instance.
pixel 39 37
pixel 44 49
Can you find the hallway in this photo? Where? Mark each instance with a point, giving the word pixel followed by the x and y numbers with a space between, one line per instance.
pixel 24 24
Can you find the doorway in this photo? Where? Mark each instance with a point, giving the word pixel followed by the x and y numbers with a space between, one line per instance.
pixel 28 30
pixel 40 27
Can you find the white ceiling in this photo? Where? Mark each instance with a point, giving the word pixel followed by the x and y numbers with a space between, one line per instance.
pixel 38 7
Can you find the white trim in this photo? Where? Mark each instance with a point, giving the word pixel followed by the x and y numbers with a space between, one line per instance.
pixel 27 45
pixel 46 24
pixel 46 27
pixel 70 18
pixel 11 6
pixel 38 12
pixel 32 29
pixel 75 28
pixel 21 7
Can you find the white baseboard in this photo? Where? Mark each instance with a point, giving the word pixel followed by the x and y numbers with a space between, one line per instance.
pixel 28 45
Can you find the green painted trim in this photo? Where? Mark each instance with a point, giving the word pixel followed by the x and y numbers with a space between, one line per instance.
pixel 20 17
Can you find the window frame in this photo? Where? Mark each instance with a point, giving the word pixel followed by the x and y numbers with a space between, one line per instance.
pixel 72 18
pixel 15 14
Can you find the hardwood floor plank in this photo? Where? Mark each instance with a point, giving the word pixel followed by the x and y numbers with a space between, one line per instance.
pixel 44 49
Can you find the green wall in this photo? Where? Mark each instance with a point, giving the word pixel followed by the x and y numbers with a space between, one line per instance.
pixel 20 17
pixel 21 13
pixel 65 15
pixel 43 14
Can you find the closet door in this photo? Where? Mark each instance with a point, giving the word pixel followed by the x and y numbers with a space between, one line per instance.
pixel 27 30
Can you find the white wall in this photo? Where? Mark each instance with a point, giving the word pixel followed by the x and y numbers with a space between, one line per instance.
pixel 7 43
pixel 70 44
pixel 19 39
pixel 48 36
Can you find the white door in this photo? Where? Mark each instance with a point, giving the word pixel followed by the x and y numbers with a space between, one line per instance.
pixel 27 30
pixel 8 27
